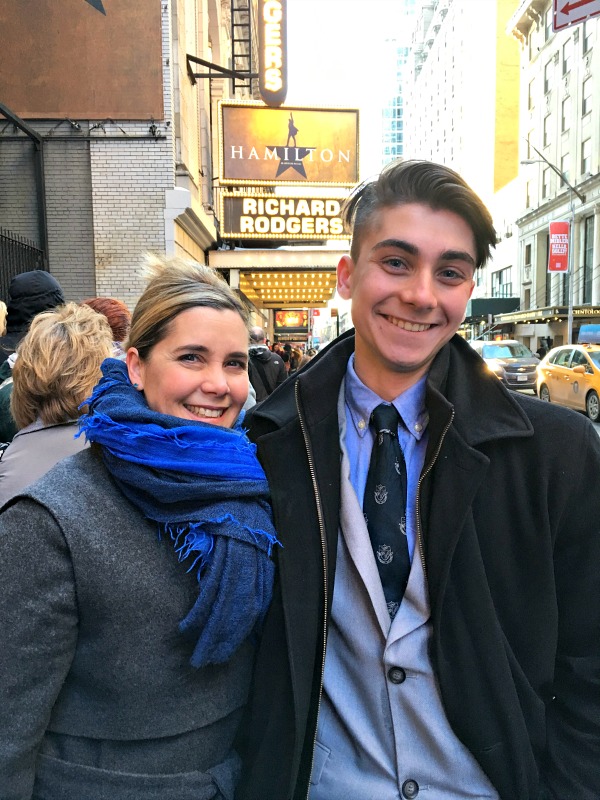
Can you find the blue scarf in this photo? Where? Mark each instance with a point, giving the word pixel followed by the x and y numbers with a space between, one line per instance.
pixel 205 488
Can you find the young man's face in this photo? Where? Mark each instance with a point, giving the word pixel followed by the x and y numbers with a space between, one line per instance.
pixel 409 289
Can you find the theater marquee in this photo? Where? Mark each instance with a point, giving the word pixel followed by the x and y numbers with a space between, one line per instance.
pixel 269 216
pixel 268 146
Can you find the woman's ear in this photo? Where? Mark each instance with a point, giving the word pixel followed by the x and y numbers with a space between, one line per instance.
pixel 135 368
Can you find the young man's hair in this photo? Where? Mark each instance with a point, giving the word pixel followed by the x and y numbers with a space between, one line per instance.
pixel 424 182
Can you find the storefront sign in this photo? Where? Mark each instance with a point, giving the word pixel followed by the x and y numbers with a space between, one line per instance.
pixel 272 51
pixel 268 216
pixel 268 146
pixel 558 255
pixel 292 321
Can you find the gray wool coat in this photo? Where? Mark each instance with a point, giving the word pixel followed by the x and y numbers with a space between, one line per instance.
pixel 97 696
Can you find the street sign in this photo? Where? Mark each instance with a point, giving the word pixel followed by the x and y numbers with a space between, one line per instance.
pixel 558 255
pixel 571 12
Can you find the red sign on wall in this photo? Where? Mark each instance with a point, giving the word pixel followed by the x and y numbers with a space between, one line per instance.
pixel 558 252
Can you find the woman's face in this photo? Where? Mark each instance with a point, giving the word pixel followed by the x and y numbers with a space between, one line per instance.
pixel 199 371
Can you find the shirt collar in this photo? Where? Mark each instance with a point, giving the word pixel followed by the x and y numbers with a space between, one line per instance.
pixel 360 401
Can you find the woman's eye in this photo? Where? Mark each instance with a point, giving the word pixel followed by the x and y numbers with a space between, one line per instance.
pixel 189 358
pixel 238 364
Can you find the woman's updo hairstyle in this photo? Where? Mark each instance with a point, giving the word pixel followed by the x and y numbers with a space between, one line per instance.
pixel 175 285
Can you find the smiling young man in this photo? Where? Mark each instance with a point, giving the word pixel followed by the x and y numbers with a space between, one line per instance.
pixel 473 671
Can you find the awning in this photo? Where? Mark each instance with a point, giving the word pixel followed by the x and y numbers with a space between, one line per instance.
pixel 483 307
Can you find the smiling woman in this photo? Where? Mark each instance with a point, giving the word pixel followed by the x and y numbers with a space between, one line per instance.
pixel 144 564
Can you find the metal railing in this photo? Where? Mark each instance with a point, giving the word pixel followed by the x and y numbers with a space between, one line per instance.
pixel 17 254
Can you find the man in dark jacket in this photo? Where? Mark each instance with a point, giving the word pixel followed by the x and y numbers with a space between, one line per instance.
pixel 482 681
pixel 28 294
pixel 267 370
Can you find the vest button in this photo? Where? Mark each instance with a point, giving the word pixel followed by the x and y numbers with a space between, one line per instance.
pixel 396 674
pixel 410 789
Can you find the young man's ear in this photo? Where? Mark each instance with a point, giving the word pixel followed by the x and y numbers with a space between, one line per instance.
pixel 344 277
pixel 134 364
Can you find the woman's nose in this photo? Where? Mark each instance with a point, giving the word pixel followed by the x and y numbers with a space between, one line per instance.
pixel 214 381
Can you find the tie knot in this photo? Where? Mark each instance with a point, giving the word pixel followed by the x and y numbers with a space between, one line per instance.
pixel 385 419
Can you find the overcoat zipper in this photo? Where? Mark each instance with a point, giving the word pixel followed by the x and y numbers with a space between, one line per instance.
pixel 424 474
pixel 313 476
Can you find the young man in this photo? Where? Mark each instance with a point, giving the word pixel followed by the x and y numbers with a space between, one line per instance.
pixel 475 672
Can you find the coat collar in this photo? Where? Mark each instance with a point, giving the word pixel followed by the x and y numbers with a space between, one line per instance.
pixel 484 409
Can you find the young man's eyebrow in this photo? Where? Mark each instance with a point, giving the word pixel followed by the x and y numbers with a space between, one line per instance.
pixel 399 244
pixel 458 255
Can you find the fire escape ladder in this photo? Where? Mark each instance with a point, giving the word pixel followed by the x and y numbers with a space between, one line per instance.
pixel 241 44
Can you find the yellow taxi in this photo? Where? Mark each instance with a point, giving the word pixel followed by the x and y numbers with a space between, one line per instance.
pixel 570 376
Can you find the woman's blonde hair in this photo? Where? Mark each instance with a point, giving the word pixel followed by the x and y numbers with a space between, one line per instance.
pixel 58 364
pixel 175 285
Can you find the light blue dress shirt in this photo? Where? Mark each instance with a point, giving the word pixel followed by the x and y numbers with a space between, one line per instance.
pixel 360 402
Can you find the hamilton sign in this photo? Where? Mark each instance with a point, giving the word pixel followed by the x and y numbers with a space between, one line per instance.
pixel 267 146
pixel 273 217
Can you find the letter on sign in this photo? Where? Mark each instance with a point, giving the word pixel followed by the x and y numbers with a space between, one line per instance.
pixel 272 56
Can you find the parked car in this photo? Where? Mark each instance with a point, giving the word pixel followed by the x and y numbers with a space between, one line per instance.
pixel 511 361
pixel 570 376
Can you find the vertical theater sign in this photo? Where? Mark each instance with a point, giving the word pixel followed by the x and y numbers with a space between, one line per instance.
pixel 272 51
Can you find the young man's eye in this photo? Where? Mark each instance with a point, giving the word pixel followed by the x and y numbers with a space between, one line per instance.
pixel 452 274
pixel 394 262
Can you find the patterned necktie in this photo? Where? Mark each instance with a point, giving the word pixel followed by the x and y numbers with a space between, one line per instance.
pixel 384 506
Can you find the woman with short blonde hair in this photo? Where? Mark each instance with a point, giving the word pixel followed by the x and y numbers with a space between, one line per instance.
pixel 57 366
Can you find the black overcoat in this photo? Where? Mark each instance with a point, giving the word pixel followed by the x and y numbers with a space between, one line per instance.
pixel 510 512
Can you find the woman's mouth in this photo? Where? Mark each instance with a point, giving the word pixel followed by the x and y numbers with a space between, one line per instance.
pixel 205 413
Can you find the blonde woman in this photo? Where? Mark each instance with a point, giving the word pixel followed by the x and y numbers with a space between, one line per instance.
pixel 135 575
pixel 57 367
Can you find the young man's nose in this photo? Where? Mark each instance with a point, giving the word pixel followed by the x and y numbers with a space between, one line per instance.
pixel 419 290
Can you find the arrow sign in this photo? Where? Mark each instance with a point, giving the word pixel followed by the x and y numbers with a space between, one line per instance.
pixel 573 12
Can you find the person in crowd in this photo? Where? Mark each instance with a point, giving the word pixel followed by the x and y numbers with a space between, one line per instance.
pixel 3 313
pixel 135 574
pixel 29 293
pixel 118 316
pixel 434 626
pixel 266 368
pixel 57 367
pixel 295 358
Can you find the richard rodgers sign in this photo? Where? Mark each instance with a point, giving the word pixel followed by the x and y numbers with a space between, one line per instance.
pixel 273 217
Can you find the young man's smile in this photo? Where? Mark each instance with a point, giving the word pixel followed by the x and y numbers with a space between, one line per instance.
pixel 409 289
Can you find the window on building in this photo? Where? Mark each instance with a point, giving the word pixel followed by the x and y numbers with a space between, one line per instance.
pixel 564 167
pixel 548 284
pixel 565 114
pixel 527 255
pixel 588 35
pixel 528 194
pixel 547 77
pixel 547 129
pixel 527 300
pixel 586 156
pixel 588 258
pixel 586 96
pixel 567 56
pixel 546 182
pixel 547 24
pixel 501 283
pixel 531 94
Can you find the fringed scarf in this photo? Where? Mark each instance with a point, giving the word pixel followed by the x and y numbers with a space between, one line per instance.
pixel 205 488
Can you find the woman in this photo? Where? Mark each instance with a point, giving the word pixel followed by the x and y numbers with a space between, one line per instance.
pixel 118 316
pixel 57 367
pixel 135 574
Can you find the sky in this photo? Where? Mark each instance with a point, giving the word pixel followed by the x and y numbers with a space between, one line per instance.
pixel 335 57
